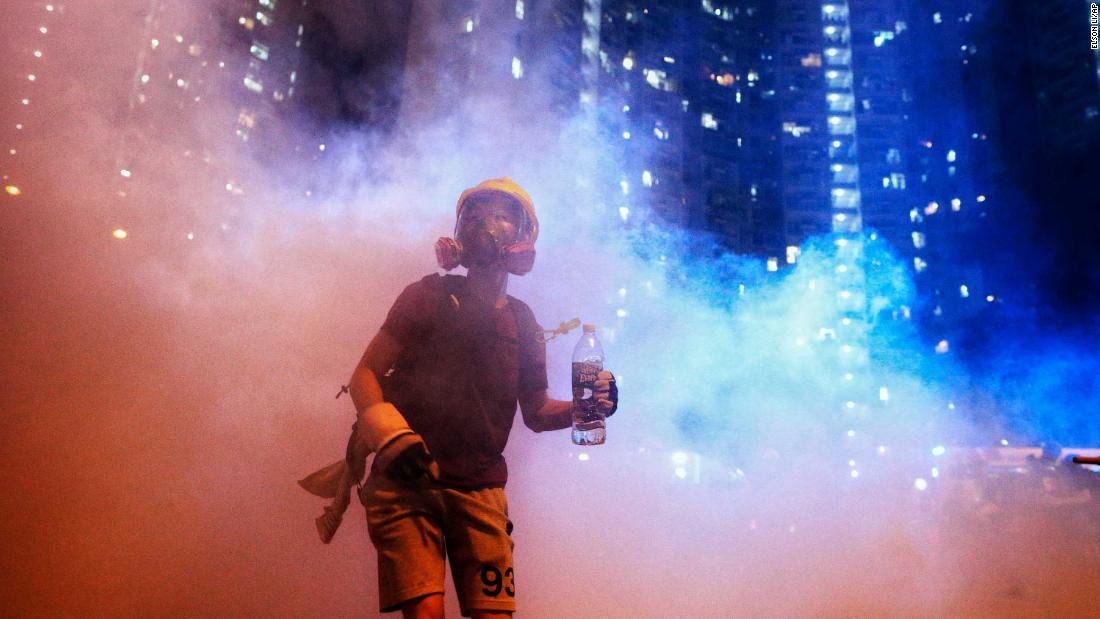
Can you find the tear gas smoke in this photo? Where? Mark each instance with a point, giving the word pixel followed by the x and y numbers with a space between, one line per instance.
pixel 161 392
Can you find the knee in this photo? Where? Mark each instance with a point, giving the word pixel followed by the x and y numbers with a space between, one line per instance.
pixel 427 607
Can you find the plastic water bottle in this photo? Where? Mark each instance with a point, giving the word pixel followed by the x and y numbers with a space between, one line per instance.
pixel 588 421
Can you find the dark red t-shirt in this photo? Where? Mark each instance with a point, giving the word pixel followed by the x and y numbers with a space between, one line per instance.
pixel 459 376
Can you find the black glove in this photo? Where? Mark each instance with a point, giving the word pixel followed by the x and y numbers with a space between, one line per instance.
pixel 607 390
pixel 407 458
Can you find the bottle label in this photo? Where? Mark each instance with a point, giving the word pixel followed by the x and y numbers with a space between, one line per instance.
pixel 584 381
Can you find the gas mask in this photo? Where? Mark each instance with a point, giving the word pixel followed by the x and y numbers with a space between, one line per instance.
pixel 488 231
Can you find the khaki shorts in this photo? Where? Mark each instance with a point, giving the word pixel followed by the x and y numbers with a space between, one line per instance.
pixel 414 525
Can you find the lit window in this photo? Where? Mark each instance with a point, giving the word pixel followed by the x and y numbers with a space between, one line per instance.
pixel 268 3
pixel 980 198
pixel 942 347
pixel 154 42
pixel 659 80
pixel 793 252
pixel 950 155
pixel 919 265
pixel 773 264
pixel 725 79
pixel 937 18
pixel 468 24
pixel 260 50
pixel 264 18
pixel 517 68
pixel 932 208
pixel 752 76
pixel 182 83
pixel 247 22
pixel 253 84
pixel 795 129
pixel 964 291
pixel 624 212
pixel 897 180
pixel 811 60
pixel 918 240
pixel 660 131
pixel 721 12
pixel 520 9
pixel 246 118
pixel 625 186
pixel 956 204
pixel 669 59
pixel 882 36
pixel 628 63
pixel 194 49
pixel 709 121
pixel 647 178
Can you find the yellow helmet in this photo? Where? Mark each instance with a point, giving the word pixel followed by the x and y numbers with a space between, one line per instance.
pixel 529 228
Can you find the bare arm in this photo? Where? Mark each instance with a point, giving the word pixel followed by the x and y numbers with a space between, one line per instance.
pixel 540 413
pixel 379 357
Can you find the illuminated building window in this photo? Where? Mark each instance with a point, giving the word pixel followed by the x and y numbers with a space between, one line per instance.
pixel 268 3
pixel 468 24
pixel 793 252
pixel 264 18
pixel 721 12
pixel 956 204
pixel 624 213
pixel 752 76
pixel 844 173
pixel 659 80
pixel 520 9
pixel 194 49
pixel 882 36
pixel 660 131
pixel 517 68
pixel 964 291
pixel 915 216
pixel 893 156
pixel 918 240
pixel 247 22
pixel 178 38
pixel 259 50
pixel 845 198
pixel 896 180
pixel 919 265
pixel 943 346
pixel 839 102
pixel 253 84
pixel 669 60
pixel 247 118
pixel 795 129
pixel 773 264
pixel 932 208
pixel 841 125
pixel 647 178
pixel 950 155
pixel 937 18
pixel 628 62
pixel 709 121
pixel 838 78
pixel 182 83
pixel 811 60
pixel 154 43
pixel 624 186
pixel 725 79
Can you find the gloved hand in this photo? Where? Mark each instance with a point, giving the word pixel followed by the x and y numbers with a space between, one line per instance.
pixel 406 458
pixel 607 393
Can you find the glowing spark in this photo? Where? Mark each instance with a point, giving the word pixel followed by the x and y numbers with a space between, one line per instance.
pixel 12 190
pixel 119 233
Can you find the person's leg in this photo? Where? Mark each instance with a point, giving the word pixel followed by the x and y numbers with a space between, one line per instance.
pixel 479 546
pixel 427 607
pixel 403 522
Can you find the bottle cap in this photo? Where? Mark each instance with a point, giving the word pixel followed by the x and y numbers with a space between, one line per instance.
pixel 589 328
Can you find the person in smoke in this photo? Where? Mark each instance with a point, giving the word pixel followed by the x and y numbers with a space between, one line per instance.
pixel 435 395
